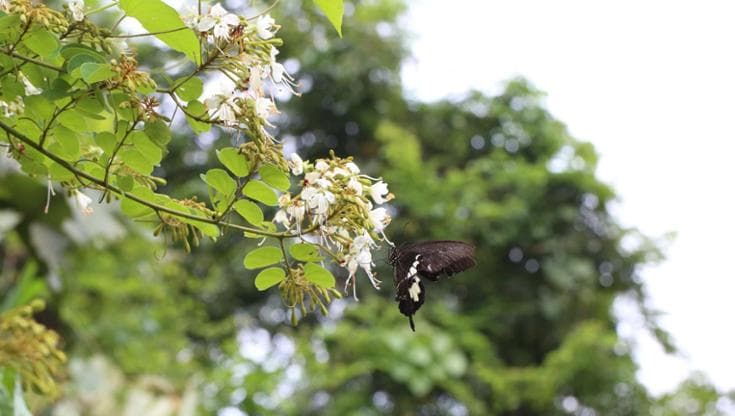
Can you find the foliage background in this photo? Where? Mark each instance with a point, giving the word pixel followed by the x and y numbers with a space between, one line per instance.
pixel 150 330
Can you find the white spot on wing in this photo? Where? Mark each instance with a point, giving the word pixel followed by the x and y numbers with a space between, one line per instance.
pixel 415 289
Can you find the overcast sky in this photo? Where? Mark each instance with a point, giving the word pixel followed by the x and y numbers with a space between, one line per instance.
pixel 651 85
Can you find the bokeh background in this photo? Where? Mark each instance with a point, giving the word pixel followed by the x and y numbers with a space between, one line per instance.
pixel 447 102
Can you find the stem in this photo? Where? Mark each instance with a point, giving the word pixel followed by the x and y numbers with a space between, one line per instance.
pixel 158 208
pixel 31 60
pixel 264 11
pixel 101 8
pixel 112 157
pixel 140 35
pixel 285 255
pixel 56 114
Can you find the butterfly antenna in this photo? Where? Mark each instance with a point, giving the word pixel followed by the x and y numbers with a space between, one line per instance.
pixel 410 321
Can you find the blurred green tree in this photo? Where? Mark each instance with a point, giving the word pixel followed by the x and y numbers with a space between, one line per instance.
pixel 529 331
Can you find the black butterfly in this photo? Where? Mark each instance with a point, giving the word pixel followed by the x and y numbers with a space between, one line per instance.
pixel 430 260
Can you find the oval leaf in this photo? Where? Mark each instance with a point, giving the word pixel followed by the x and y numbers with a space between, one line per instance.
pixel 275 177
pixel 262 256
pixel 157 16
pixel 220 181
pixel 269 277
pixel 42 42
pixel 145 146
pixel 305 252
pixel 93 72
pixel 191 89
pixel 136 161
pixel 260 192
pixel 233 160
pixel 198 110
pixel 318 275
pixel 250 211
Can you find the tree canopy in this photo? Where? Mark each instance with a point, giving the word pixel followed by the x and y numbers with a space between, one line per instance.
pixel 190 288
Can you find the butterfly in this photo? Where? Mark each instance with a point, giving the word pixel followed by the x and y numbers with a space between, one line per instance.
pixel 428 260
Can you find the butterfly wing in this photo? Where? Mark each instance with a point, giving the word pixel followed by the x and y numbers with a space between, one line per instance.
pixel 430 260
pixel 443 258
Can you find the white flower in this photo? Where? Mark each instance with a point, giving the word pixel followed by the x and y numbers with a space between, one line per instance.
pixel 278 72
pixel 352 167
pixel 284 200
pixel 205 23
pixel 264 26
pixel 379 218
pixel 321 165
pixel 30 88
pixel 360 256
pixel 378 191
pixel 311 177
pixel 317 199
pixel 265 107
pixel 76 7
pixel 297 210
pixel 255 82
pixel 227 115
pixel 225 107
pixel 296 164
pixel 220 20
pixel 282 217
pixel 355 185
pixel 337 171
pixel 191 19
pixel 84 202
pixel 362 242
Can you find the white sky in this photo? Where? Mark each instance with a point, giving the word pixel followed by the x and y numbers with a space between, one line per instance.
pixel 651 84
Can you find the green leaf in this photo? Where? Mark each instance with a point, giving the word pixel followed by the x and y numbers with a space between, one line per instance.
pixel 74 49
pixel 42 42
pixel 73 120
pixel 233 160
pixel 59 173
pixel 250 211
pixel 263 256
pixel 259 191
pixel 191 89
pixel 158 132
pixel 305 252
pixel 136 161
pixel 94 72
pixel 333 9
pixel 157 16
pixel 9 22
pixel 68 140
pixel 134 209
pixel 106 141
pixel 269 278
pixel 318 275
pixel 149 149
pixel 220 181
pixel 39 108
pixel 125 182
pixel 274 177
pixel 197 109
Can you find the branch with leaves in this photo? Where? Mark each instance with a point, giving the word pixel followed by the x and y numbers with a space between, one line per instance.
pixel 76 110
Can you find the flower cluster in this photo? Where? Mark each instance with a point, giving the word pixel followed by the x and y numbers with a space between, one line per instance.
pixel 335 209
pixel 246 53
